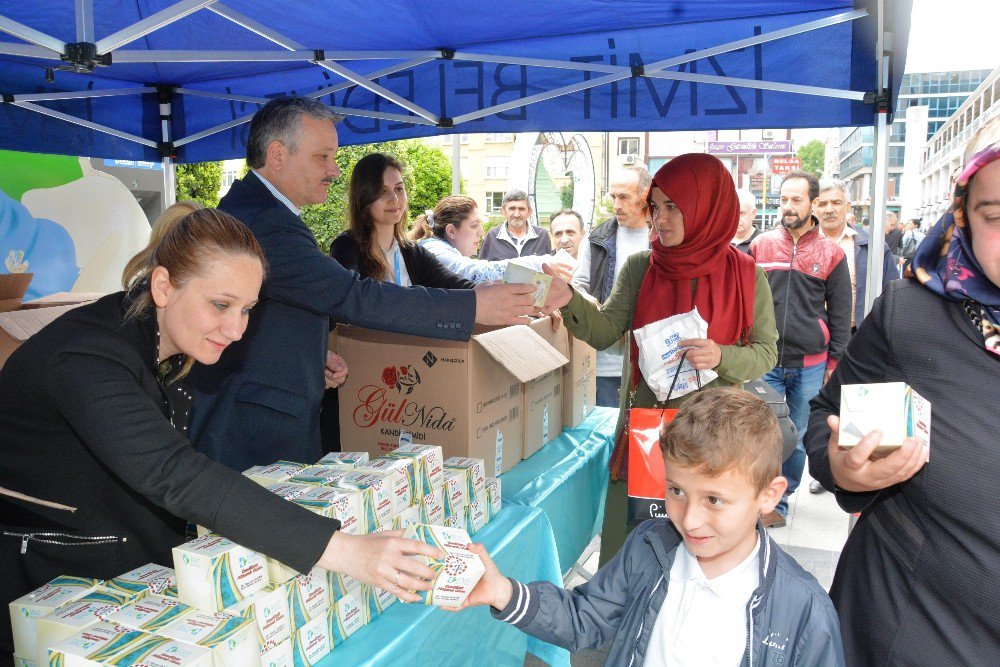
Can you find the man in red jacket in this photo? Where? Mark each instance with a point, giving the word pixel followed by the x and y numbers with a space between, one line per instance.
pixel 811 286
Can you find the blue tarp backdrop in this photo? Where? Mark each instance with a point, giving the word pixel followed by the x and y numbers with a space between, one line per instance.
pixel 422 88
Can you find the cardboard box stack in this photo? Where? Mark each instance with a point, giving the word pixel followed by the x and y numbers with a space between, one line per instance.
pixel 497 397
pixel 222 604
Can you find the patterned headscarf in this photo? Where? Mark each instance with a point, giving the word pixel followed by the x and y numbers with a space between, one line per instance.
pixel 945 262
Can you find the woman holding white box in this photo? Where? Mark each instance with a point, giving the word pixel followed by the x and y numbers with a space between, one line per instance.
pixel 96 473
pixel 919 577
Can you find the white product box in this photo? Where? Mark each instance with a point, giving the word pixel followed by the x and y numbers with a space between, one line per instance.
pixel 214 573
pixel 311 643
pixel 402 472
pixel 335 503
pixel 493 499
pixel 270 611
pixel 308 596
pixel 74 616
pixel 430 464
pixel 377 600
pixel 150 613
pixel 231 639
pixel 111 644
pixel 151 578
pixel 341 584
pixel 320 474
pixel 278 573
pixel 520 274
pixel 474 471
pixel 457 573
pixel 458 520
pixel 456 492
pixel 477 513
pixel 376 496
pixel 279 656
pixel 432 511
pixel 891 407
pixel 411 516
pixel 288 490
pixel 25 610
pixel 346 616
pixel 273 473
pixel 344 458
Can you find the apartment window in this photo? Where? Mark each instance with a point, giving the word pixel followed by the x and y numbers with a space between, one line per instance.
pixel 494 200
pixel 628 146
pixel 497 167
pixel 499 137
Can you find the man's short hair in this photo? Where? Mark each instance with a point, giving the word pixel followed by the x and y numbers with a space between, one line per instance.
pixel 810 178
pixel 832 184
pixel 746 198
pixel 891 217
pixel 515 195
pixel 724 429
pixel 281 120
pixel 567 211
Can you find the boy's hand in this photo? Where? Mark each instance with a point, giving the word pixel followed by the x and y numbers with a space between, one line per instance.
pixel 493 589
pixel 859 469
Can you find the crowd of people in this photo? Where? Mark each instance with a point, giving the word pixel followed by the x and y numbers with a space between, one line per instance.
pixel 128 418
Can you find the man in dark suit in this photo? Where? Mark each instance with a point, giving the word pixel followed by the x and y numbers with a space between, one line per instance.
pixel 261 402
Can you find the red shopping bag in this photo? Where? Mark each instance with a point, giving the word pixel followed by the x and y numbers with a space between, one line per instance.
pixel 647 484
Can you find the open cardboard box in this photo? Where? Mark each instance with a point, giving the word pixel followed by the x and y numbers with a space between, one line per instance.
pixel 12 289
pixel 465 396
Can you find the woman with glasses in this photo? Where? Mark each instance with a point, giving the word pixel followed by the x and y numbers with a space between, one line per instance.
pixel 375 244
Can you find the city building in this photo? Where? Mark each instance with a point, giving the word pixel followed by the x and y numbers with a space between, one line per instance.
pixel 942 154
pixel 942 93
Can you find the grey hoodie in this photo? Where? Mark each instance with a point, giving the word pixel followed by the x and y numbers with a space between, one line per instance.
pixel 790 619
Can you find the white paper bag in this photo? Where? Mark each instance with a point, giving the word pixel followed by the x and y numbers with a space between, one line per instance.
pixel 660 353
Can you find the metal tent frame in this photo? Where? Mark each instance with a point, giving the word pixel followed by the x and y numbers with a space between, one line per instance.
pixel 90 53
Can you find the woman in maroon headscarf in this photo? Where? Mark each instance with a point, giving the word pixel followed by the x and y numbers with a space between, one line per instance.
pixel 691 263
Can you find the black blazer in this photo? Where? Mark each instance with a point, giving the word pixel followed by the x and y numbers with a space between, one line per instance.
pixel 261 401
pixel 86 423
pixel 424 268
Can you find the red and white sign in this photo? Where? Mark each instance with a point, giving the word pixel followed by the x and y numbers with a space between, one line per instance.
pixel 784 164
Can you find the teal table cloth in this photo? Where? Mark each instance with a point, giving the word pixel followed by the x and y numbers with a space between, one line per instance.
pixel 568 480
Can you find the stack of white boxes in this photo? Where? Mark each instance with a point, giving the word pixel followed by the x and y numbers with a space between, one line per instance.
pixel 223 604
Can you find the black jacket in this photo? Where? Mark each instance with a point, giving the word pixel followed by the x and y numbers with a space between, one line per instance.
pixel 87 423
pixel 424 268
pixel 261 401
pixel 811 286
pixel 603 245
pixel 918 582
pixel 744 246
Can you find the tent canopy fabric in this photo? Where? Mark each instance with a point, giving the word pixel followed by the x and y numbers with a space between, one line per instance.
pixel 400 69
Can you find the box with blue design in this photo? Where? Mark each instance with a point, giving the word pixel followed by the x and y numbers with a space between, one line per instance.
pixel 376 600
pixel 402 473
pixel 308 596
pixel 279 656
pixel 280 471
pixel 75 616
pixel 150 613
pixel 334 503
pixel 493 498
pixel 376 496
pixel 432 511
pixel 891 407
pixel 27 609
pixel 319 475
pixel 346 616
pixel 473 473
pixel 312 642
pixel 429 461
pixel 352 459
pixel 214 573
pixel 231 639
pixel 105 644
pixel 455 492
pixel 151 578
pixel 458 571
pixel 270 611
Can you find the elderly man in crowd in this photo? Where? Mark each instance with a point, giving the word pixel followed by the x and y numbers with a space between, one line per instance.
pixel 567 230
pixel 602 258
pixel 516 237
pixel 746 231
pixel 261 401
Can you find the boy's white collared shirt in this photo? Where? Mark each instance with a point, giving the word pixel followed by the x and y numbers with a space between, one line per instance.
pixel 703 621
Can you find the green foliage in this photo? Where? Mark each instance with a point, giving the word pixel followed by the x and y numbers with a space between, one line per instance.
pixel 199 181
pixel 566 195
pixel 813 156
pixel 427 176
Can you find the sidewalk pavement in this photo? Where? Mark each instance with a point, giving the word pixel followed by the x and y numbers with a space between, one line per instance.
pixel 814 536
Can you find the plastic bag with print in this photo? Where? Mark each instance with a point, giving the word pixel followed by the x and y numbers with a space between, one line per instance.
pixel 660 353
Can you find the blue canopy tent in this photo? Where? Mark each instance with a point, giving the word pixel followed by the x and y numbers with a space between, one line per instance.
pixel 156 79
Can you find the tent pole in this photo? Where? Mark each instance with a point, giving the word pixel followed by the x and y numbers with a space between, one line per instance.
pixel 880 173
pixel 456 164
pixel 165 98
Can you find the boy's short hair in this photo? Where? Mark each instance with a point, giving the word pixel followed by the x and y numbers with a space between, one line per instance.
pixel 726 429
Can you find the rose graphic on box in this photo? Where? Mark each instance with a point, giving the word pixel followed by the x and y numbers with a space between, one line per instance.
pixel 401 377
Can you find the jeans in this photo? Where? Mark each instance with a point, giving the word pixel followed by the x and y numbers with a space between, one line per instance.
pixel 798 386
pixel 608 391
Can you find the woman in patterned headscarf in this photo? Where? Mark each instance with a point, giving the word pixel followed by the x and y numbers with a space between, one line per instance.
pixel 919 578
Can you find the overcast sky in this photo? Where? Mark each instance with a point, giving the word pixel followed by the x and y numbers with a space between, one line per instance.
pixel 953 35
